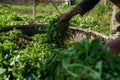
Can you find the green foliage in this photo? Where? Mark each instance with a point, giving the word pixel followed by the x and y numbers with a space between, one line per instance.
pixel 2 71
pixel 84 60
pixel 9 18
pixel 57 32
pixel 35 61
pixel 16 17
pixel 10 35
pixel 63 8
pixel 98 19
pixel 39 60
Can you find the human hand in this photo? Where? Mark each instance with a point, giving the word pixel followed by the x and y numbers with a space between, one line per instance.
pixel 113 45
pixel 64 17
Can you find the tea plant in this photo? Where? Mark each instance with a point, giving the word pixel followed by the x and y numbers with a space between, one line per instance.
pixel 84 61
pixel 35 61
pixel 46 61
pixel 57 31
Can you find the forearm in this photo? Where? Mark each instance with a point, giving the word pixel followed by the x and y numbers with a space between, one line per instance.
pixel 83 7
pixel 86 5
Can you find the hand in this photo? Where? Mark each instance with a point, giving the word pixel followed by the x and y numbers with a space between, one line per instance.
pixel 67 16
pixel 64 17
pixel 113 45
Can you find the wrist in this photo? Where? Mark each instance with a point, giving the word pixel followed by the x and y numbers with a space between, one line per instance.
pixel 72 13
pixel 76 10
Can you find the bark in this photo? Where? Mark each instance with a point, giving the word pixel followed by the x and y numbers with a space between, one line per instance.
pixel 34 10
pixel 35 3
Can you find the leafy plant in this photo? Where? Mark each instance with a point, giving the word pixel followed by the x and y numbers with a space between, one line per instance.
pixel 84 60
pixel 57 32
pixel 40 60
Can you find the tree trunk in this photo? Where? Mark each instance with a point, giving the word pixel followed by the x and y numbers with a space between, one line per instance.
pixel 35 3
pixel 34 10
pixel 114 23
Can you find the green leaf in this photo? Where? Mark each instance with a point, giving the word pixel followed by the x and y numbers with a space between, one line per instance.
pixel 2 71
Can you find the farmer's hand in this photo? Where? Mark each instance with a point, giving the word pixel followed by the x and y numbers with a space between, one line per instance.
pixel 67 16
pixel 114 46
pixel 64 17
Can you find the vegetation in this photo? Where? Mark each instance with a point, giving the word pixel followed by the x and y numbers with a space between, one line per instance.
pixel 92 20
pixel 35 59
pixel 24 57
pixel 57 31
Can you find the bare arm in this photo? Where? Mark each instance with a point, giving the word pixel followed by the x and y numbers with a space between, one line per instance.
pixel 116 2
pixel 83 7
